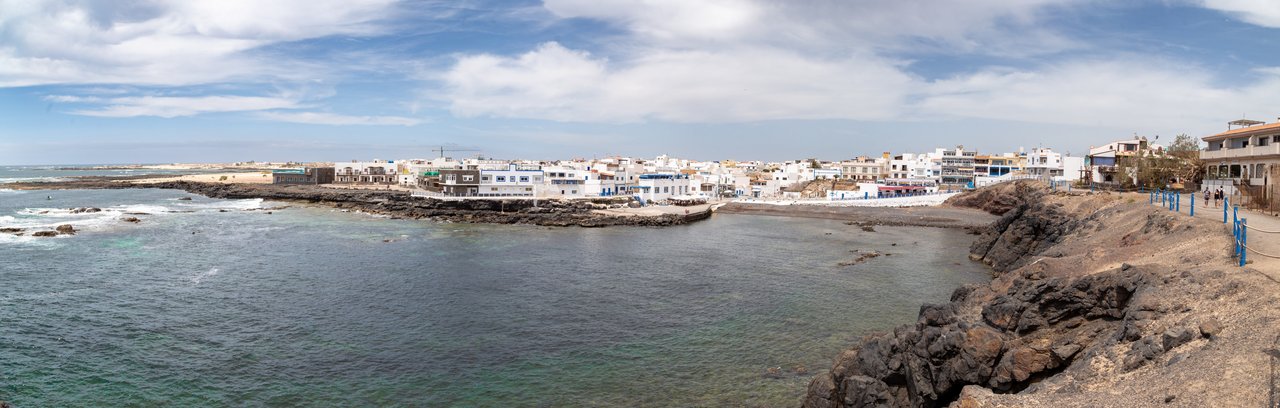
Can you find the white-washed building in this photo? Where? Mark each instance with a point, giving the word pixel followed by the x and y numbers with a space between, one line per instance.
pixel 657 187
pixel 511 180
pixel 378 172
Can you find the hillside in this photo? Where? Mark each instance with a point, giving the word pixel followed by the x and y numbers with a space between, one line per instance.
pixel 1096 300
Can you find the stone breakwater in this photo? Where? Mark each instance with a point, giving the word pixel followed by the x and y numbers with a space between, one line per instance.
pixel 1095 300
pixel 396 204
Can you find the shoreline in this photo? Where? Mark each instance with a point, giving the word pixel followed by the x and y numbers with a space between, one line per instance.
pixel 937 217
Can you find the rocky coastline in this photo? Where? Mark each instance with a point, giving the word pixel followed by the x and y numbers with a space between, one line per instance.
pixel 400 204
pixel 1096 300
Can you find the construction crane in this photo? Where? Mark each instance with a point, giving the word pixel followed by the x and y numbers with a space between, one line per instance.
pixel 442 150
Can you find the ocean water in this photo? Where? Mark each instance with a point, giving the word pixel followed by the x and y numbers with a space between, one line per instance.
pixel 15 174
pixel 308 306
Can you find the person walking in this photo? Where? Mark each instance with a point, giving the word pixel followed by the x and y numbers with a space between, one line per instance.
pixel 1206 197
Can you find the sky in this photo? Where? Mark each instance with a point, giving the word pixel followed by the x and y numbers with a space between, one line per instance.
pixel 335 80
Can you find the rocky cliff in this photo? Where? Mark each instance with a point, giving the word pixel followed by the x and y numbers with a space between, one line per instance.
pixel 1089 292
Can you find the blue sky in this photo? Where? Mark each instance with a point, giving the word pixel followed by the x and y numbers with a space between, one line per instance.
pixel 231 80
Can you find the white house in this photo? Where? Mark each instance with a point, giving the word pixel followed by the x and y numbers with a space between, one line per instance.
pixel 374 172
pixel 661 186
pixel 518 180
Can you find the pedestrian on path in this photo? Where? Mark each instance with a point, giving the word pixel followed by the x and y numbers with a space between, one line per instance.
pixel 1206 196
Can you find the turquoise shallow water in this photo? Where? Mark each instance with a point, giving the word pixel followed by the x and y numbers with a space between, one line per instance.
pixel 313 307
pixel 12 174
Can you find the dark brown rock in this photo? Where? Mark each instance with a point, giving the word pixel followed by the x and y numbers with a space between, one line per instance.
pixel 45 234
pixel 1177 336
pixel 1210 327
pixel 1142 351
pixel 863 391
pixel 131 219
pixel 66 229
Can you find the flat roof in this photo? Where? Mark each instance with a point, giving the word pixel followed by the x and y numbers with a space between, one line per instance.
pixel 1248 131
pixel 1245 122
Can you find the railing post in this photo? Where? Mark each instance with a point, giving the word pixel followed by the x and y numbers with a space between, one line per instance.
pixel 1193 204
pixel 1177 202
pixel 1235 238
pixel 1151 197
pixel 1244 240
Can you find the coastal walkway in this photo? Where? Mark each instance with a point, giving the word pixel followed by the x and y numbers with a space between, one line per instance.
pixel 1262 239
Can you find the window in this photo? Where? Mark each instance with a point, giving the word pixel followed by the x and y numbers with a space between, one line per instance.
pixel 1275 139
pixel 1262 141
pixel 486 179
pixel 502 179
pixel 524 179
pixel 468 178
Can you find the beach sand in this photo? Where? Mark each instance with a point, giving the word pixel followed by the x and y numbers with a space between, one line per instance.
pixel 257 177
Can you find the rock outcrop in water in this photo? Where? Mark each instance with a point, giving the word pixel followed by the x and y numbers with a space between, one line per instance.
pixel 546 212
pixel 1084 294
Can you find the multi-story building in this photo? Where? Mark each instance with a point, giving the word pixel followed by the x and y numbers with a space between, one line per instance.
pixel 1045 163
pixel 460 182
pixel 864 169
pixel 381 172
pixel 511 180
pixel 957 167
pixel 996 165
pixel 1244 155
pixel 913 166
pixel 1105 163
pixel 661 186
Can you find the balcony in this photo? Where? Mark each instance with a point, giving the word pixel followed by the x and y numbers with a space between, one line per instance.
pixel 1240 153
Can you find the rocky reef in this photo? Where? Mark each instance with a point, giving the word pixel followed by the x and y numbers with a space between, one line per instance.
pixel 1087 292
pixel 545 212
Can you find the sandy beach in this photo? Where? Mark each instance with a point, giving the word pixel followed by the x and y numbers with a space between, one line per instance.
pixel 257 177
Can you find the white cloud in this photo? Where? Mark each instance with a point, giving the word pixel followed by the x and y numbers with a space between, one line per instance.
pixel 173 42
pixel 175 106
pixel 978 26
pixel 1143 94
pixel 743 60
pixel 322 118
pixel 1265 13
pixel 741 84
